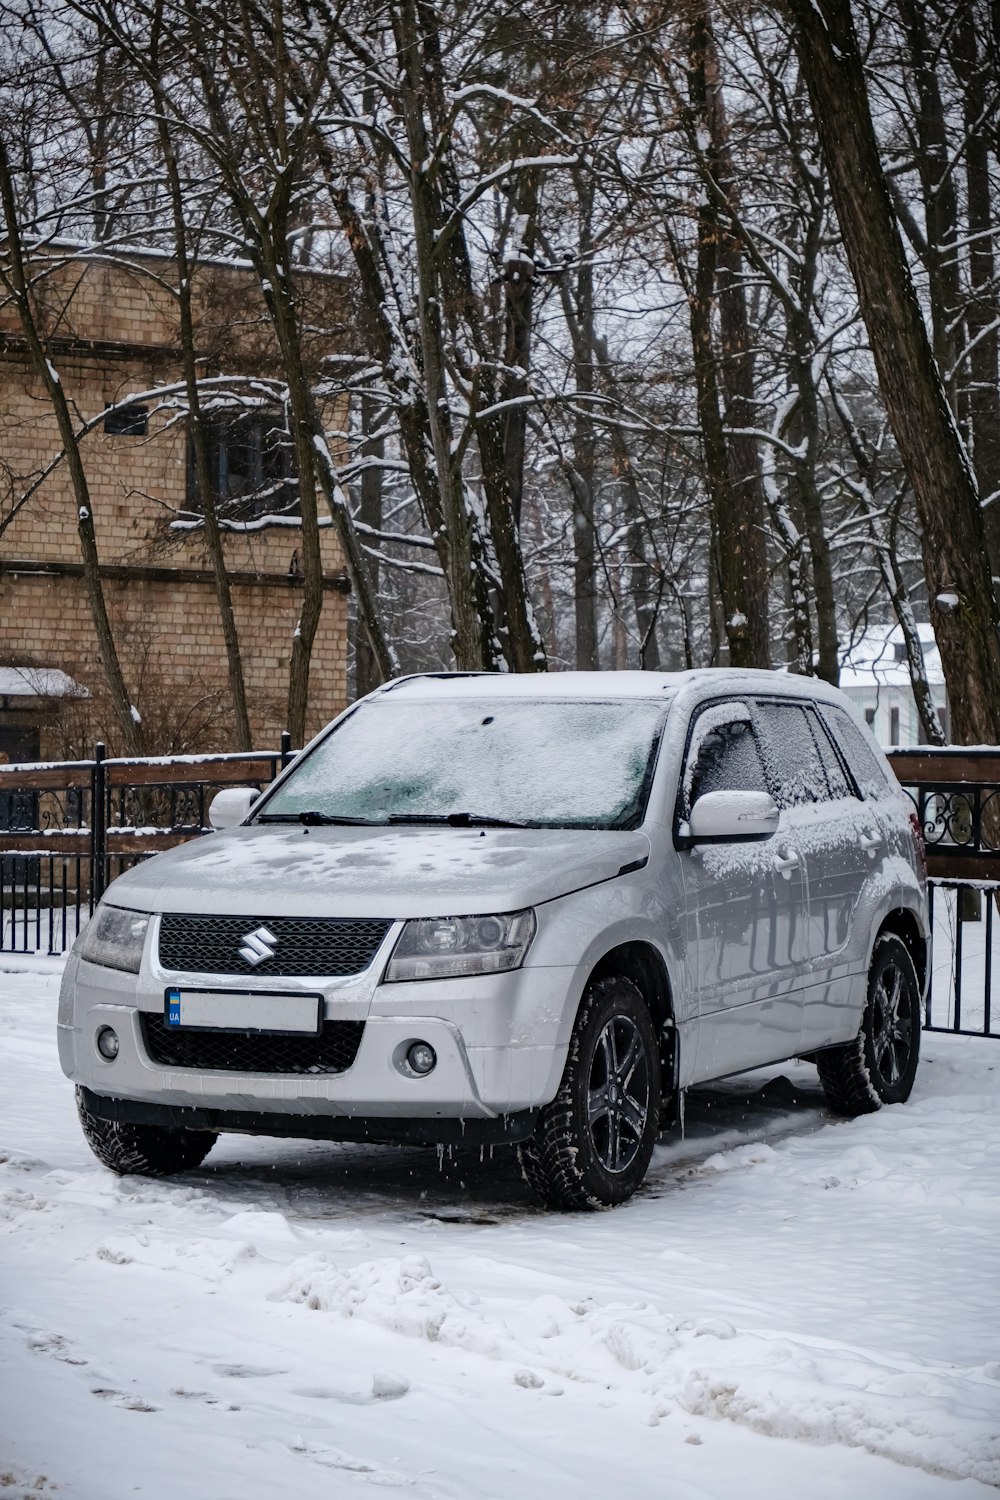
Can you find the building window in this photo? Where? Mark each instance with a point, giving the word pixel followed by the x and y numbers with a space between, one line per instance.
pixel 250 459
pixel 870 717
pixel 894 726
pixel 126 421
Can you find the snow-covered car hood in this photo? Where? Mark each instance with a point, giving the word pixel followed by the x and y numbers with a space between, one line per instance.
pixel 375 872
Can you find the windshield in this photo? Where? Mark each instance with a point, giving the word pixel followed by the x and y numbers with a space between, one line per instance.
pixel 540 764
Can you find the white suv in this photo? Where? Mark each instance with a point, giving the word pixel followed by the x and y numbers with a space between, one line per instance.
pixel 513 908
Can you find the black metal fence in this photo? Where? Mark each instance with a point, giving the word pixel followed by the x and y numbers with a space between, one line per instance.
pixel 956 794
pixel 67 829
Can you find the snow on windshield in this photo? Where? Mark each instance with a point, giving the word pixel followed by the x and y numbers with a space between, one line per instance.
pixel 545 763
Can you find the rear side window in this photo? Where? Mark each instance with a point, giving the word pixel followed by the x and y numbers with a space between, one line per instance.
pixel 835 774
pixel 791 755
pixel 859 754
pixel 722 756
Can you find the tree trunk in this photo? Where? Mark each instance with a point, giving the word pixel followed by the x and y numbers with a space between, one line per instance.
pixel 234 661
pixel 366 672
pixel 518 300
pixel 584 443
pixel 448 305
pixel 647 599
pixel 962 603
pixel 805 429
pixel 937 183
pixel 731 463
pixel 16 281
pixel 982 317
pixel 473 635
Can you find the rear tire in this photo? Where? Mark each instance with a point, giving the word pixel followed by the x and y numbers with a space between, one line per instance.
pixel 143 1150
pixel 592 1144
pixel 879 1066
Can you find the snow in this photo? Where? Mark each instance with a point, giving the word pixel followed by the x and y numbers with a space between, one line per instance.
pixel 604 687
pixel 792 1305
pixel 573 762
pixel 38 682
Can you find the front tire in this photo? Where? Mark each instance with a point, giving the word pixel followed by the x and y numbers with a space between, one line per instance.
pixel 592 1144
pixel 879 1066
pixel 143 1150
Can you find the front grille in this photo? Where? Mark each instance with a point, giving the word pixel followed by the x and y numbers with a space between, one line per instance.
pixel 304 946
pixel 333 1051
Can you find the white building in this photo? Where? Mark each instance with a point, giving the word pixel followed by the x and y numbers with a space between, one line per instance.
pixel 876 678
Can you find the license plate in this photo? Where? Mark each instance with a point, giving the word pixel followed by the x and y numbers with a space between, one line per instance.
pixel 242 1010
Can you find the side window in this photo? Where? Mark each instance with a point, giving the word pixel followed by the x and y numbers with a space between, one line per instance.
pixel 722 756
pixel 835 775
pixel 860 756
pixel 792 759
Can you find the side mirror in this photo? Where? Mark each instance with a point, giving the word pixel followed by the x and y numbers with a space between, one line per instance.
pixel 732 817
pixel 230 806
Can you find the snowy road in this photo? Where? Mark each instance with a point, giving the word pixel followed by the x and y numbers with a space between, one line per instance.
pixel 792 1306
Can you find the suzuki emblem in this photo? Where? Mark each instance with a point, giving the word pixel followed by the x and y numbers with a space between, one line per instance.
pixel 258 945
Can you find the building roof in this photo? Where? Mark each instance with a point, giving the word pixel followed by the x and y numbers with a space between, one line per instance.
pixel 38 682
pixel 878 659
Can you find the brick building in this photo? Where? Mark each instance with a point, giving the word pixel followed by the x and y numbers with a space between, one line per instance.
pixel 111 332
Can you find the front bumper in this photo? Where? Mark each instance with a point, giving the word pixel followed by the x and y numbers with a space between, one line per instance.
pixel 500 1041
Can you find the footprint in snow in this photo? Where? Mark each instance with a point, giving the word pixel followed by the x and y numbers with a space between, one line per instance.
pixel 119 1398
pixel 16 1484
pixel 14 1161
pixel 334 1458
pixel 42 1341
pixel 16 1202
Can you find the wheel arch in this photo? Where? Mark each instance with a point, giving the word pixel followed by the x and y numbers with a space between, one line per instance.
pixel 904 925
pixel 644 965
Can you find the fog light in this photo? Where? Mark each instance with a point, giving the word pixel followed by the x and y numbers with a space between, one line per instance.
pixel 421 1057
pixel 107 1043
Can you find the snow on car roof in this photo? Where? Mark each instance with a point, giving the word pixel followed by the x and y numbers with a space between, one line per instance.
pixel 605 685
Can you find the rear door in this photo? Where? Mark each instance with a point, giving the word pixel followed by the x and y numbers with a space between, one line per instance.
pixel 841 842
pixel 744 910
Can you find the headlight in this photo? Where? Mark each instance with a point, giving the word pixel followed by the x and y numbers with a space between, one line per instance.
pixel 114 937
pixel 446 947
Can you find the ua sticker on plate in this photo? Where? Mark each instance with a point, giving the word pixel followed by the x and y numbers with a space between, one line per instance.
pixel 173 1007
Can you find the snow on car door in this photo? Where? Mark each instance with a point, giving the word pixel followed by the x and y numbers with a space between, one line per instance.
pixel 744 911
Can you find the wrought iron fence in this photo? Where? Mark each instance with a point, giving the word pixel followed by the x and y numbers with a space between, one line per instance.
pixel 68 828
pixel 956 794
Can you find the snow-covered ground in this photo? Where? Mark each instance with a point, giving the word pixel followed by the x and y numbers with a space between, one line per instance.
pixel 792 1306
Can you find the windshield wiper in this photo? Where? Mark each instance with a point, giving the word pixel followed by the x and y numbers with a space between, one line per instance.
pixel 314 819
pixel 457 820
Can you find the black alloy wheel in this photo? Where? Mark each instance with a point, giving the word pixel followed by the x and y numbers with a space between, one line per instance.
pixel 619 1100
pixel 895 1021
pixel 878 1067
pixel 592 1144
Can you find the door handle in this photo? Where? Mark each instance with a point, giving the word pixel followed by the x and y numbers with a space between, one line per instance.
pixel 786 862
pixel 869 842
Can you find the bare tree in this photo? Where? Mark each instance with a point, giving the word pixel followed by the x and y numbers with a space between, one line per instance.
pixel 19 278
pixel 962 602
